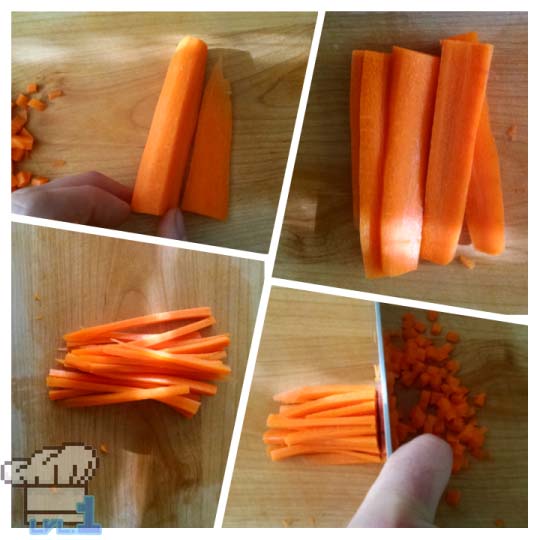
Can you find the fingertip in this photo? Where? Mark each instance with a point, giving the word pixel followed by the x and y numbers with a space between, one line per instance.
pixel 172 225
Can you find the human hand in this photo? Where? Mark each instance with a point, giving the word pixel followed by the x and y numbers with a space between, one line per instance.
pixel 89 198
pixel 409 487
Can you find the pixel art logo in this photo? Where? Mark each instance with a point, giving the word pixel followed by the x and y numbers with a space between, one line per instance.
pixel 55 482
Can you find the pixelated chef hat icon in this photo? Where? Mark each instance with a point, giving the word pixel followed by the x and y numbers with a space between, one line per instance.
pixel 71 464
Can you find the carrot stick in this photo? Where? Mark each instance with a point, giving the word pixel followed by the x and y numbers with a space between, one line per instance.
pixel 37 104
pixel 461 92
pixel 202 345
pixel 353 458
pixel 283 422
pixel 154 318
pixel 135 394
pixel 275 436
pixel 329 402
pixel 74 384
pixel 303 449
pixel 368 442
pixel 357 62
pixel 366 407
pixel 484 213
pixel 183 403
pixel 410 117
pixel 164 159
pixel 373 117
pixel 328 433
pixel 307 393
pixel 55 395
pixel 207 185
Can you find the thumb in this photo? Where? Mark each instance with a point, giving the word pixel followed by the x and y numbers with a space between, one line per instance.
pixel 409 487
pixel 172 225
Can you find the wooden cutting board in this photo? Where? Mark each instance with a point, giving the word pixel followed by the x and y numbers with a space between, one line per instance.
pixel 161 469
pixel 308 339
pixel 319 243
pixel 493 358
pixel 111 67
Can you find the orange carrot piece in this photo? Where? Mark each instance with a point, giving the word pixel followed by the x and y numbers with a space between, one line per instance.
pixel 37 104
pixel 453 496
pixel 436 329
pixel 410 117
pixel 330 402
pixel 78 384
pixel 452 337
pixel 364 408
pixel 357 62
pixel 461 93
pixel 466 262
pixel 22 101
pixel 372 125
pixel 310 435
pixel 182 404
pixel 432 316
pixel 307 393
pixel 17 123
pixel 154 318
pixel 136 394
pixel 64 393
pixel 479 400
pixel 39 181
pixel 31 88
pixel 164 159
pixel 17 154
pixel 207 185
pixel 53 94
pixel 352 458
pixel 283 422
pixel 303 449
pixel 23 178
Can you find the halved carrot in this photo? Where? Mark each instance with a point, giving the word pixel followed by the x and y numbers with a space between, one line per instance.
pixel 165 156
pixel 307 393
pixel 410 117
pixel 207 185
pixel 460 97
pixel 357 62
pixel 17 123
pixel 31 88
pixel 23 178
pixel 373 118
pixel 207 344
pixel 64 393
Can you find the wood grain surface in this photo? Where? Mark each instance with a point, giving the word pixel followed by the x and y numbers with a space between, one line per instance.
pixel 319 243
pixel 308 339
pixel 493 359
pixel 111 67
pixel 161 470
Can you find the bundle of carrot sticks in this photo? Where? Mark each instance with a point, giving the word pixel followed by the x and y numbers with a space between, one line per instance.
pixel 125 361
pixel 328 424
pixel 444 406
pixel 424 159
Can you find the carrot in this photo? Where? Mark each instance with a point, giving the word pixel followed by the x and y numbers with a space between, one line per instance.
pixel 461 92
pixel 182 404
pixel 22 101
pixel 372 126
pixel 275 436
pixel 342 459
pixel 126 324
pixel 55 395
pixel 23 178
pixel 53 94
pixel 466 262
pixel 357 62
pixel 209 344
pixel 37 104
pixel 367 407
pixel 164 159
pixel 31 88
pixel 17 123
pixel 328 433
pixel 283 422
pixel 207 185
pixel 432 316
pixel 17 154
pixel 329 402
pixel 410 117
pixel 484 213
pixel 453 496
pixel 307 393
pixel 298 450
pixel 39 181
pixel 23 140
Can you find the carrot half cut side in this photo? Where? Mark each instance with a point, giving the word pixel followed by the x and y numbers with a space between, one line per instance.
pixel 207 185
pixel 357 62
pixel 461 91
pixel 410 117
pixel 164 159
pixel 373 129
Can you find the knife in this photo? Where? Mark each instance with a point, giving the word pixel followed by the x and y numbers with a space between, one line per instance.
pixel 382 388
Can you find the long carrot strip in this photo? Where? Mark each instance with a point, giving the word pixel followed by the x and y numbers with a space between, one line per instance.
pixel 303 449
pixel 460 97
pixel 328 433
pixel 410 117
pixel 366 407
pixel 329 402
pixel 282 422
pixel 373 118
pixel 164 159
pixel 307 393
pixel 342 459
pixel 275 436
pixel 136 394
pixel 63 382
pixel 55 395
pixel 154 318
pixel 183 403
pixel 207 344
pixel 357 62
pixel 207 185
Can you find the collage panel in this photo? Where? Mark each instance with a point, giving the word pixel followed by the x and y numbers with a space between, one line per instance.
pixel 161 464
pixel 319 243
pixel 110 69
pixel 303 464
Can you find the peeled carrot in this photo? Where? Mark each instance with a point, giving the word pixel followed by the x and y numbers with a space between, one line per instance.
pixel 328 433
pixel 22 101
pixel 410 116
pixel 365 408
pixel 329 402
pixel 207 184
pixel 342 459
pixel 373 118
pixel 298 450
pixel 208 344
pixel 307 393
pixel 283 422
pixel 453 496
pixel 164 159
pixel 460 97
pixel 357 62
pixel 37 104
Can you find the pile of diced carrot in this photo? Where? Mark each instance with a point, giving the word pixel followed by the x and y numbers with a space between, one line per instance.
pixel 328 424
pixel 424 159
pixel 22 141
pixel 126 361
pixel 420 357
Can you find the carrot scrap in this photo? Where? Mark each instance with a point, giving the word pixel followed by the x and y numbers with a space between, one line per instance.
pixel 500 523
pixel 103 448
pixel 452 497
pixel 37 104
pixel 23 178
pixel 452 337
pixel 53 94
pixel 466 262
pixel 432 316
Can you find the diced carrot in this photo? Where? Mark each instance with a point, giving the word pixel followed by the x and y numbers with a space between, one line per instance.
pixel 420 327
pixel 17 154
pixel 436 329
pixel 53 94
pixel 31 88
pixel 432 316
pixel 103 448
pixel 479 400
pixel 453 496
pixel 23 178
pixel 17 123
pixel 452 337
pixel 37 104
pixel 39 180
pixel 22 101
pixel 500 523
